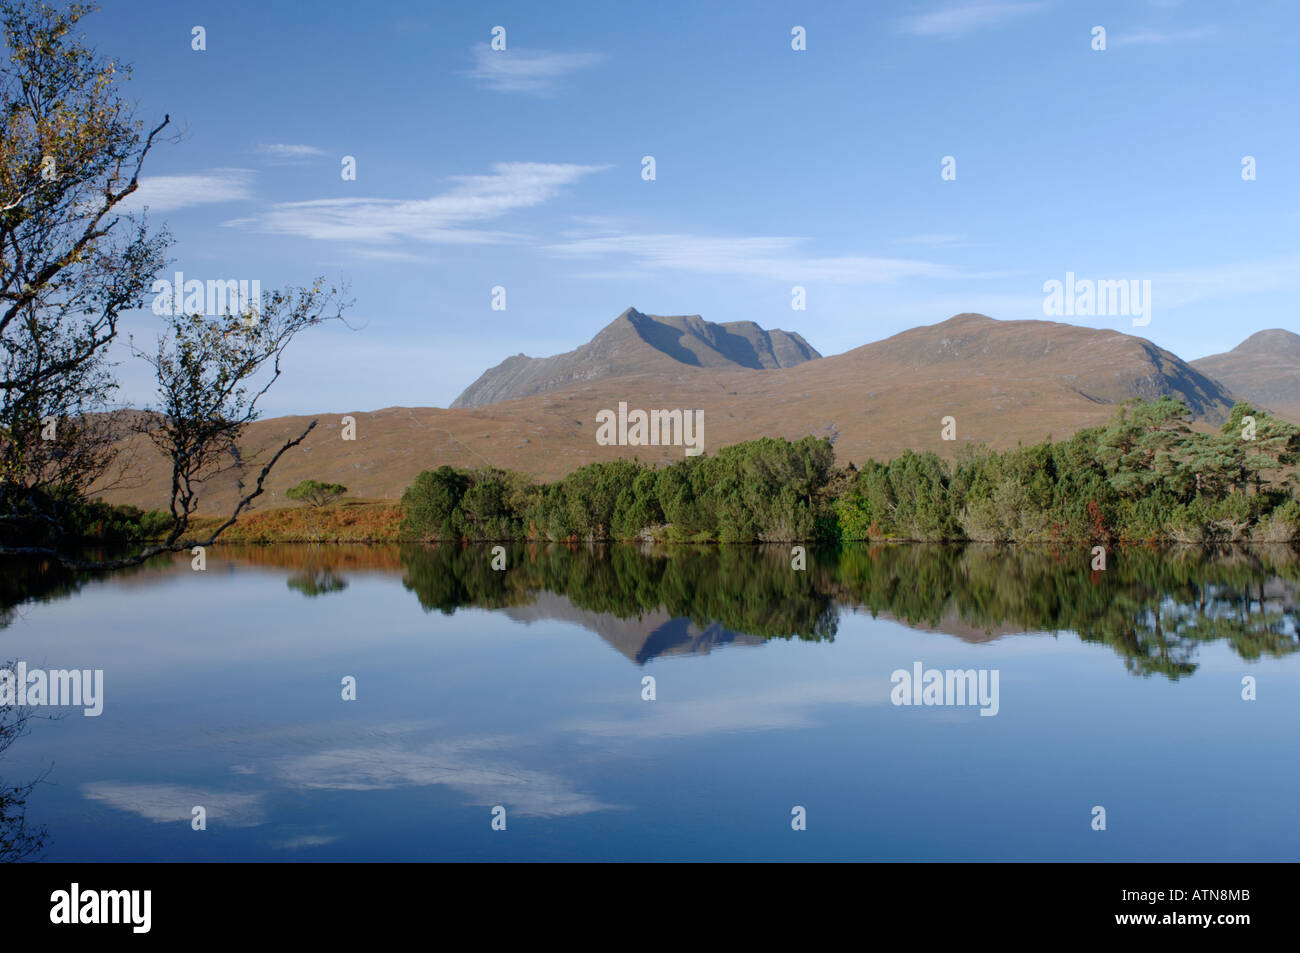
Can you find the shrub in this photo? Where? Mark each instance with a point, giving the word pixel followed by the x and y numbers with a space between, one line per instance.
pixel 316 492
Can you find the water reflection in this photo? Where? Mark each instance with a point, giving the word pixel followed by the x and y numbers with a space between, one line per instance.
pixel 1152 607
pixel 316 578
pixel 19 840
pixel 225 693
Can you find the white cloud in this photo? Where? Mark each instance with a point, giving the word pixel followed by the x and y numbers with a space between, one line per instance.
pixel 280 153
pixel 518 71
pixel 1159 37
pixel 445 218
pixel 1175 289
pixel 1182 288
pixel 767 257
pixel 391 254
pixel 166 193
pixel 960 18
pixel 630 274
pixel 932 241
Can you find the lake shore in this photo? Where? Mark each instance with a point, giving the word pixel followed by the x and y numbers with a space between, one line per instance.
pixel 380 521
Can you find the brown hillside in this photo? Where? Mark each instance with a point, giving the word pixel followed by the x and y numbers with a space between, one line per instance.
pixel 1263 369
pixel 1004 382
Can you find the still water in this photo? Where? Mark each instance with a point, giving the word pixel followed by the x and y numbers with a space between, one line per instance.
pixel 774 689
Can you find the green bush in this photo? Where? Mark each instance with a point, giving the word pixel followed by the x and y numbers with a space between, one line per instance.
pixel 431 504
pixel 315 492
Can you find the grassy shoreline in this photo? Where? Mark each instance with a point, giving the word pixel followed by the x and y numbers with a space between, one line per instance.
pixel 377 521
pixel 1145 478
pixel 347 521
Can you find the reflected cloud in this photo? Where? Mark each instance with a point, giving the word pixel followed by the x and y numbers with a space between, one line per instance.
pixel 790 706
pixel 526 792
pixel 307 840
pixel 166 803
pixel 388 757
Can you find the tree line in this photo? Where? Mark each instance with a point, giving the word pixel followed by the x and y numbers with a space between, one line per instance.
pixel 1146 475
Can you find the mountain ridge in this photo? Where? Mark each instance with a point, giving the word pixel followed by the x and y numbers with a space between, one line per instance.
pixel 634 342
pixel 1005 382
pixel 1263 369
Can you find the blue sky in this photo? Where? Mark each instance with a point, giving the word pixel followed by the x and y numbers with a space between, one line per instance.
pixel 774 168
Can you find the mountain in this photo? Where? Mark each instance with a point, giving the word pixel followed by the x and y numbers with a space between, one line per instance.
pixel 1005 382
pixel 635 342
pixel 1099 365
pixel 1263 369
pixel 642 637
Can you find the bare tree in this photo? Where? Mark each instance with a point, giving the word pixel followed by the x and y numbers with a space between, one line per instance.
pixel 211 374
pixel 71 152
pixel 18 839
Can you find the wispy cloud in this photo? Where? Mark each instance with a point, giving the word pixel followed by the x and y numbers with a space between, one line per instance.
pixel 306 840
pixel 450 217
pixel 1174 289
pixel 373 253
pixel 1159 37
pixel 527 71
pixel 280 153
pixel 166 193
pixel 455 764
pixel 930 241
pixel 965 16
pixel 165 803
pixel 769 257
pixel 779 708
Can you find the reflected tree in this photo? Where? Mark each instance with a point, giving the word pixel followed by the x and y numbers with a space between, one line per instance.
pixel 1153 607
pixel 18 839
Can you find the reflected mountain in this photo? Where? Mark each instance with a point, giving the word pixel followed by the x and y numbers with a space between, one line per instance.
pixel 1152 607
pixel 645 603
pixel 640 639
